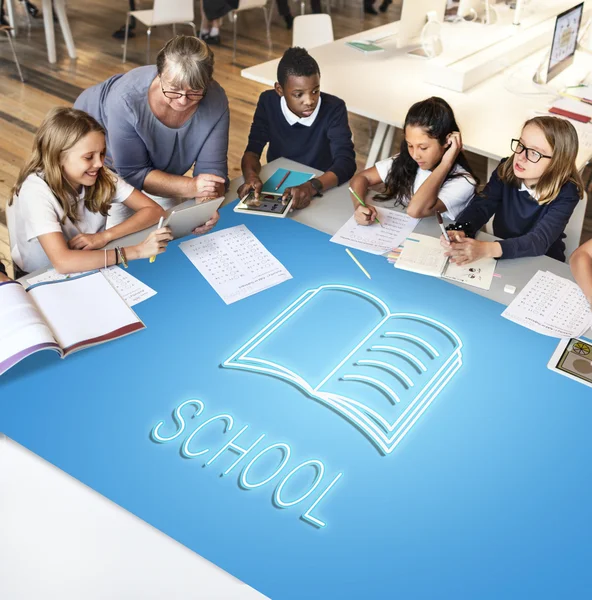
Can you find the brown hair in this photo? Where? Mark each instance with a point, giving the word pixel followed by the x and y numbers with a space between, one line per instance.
pixel 188 61
pixel 61 129
pixel 563 139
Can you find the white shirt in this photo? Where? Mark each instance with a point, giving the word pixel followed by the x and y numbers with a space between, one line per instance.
pixel 455 193
pixel 533 193
pixel 36 211
pixel 293 119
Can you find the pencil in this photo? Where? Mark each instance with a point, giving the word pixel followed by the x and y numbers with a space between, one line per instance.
pixel 279 185
pixel 362 203
pixel 358 263
pixel 160 222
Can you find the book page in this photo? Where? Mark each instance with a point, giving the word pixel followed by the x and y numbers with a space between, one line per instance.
pixel 551 305
pixel 477 274
pixel 130 288
pixel 377 238
pixel 22 329
pixel 235 263
pixel 422 254
pixel 84 310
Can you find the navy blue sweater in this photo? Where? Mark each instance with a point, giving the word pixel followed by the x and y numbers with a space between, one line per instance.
pixel 326 145
pixel 527 228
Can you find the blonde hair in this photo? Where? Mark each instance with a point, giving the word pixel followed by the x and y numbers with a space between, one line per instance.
pixel 563 139
pixel 61 129
pixel 188 61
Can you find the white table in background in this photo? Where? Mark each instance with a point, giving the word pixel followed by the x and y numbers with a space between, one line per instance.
pixel 61 539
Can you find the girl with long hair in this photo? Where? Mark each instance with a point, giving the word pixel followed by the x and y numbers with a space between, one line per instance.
pixel 61 199
pixel 430 173
pixel 531 196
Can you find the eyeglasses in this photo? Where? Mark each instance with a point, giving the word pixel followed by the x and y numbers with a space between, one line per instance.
pixel 531 155
pixel 192 96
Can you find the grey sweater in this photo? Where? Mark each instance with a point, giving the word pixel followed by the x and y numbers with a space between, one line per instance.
pixel 137 142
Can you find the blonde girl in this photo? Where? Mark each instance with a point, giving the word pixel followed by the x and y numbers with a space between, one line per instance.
pixel 62 197
pixel 531 196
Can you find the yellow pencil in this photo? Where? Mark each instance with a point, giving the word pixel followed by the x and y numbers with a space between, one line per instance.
pixel 160 222
pixel 358 263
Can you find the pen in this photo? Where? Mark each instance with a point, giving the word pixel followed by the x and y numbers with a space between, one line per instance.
pixel 160 222
pixel 362 203
pixel 279 185
pixel 441 223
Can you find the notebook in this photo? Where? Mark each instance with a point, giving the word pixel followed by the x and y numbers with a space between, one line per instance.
pixel 365 46
pixel 424 254
pixel 55 316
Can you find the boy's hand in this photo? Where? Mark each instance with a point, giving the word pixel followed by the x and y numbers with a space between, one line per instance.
pixel 302 195
pixel 253 184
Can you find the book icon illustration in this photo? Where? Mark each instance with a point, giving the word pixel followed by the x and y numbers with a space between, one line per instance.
pixel 343 347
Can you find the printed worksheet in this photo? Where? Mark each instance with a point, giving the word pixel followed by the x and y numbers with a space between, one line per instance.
pixel 377 238
pixel 551 305
pixel 235 263
pixel 130 288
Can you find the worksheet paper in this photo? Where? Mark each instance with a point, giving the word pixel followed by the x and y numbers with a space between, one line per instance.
pixel 477 274
pixel 131 289
pixel 551 305
pixel 377 238
pixel 235 263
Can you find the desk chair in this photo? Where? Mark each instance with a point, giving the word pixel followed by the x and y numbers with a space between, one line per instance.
pixel 8 31
pixel 312 30
pixel 164 12
pixel 248 5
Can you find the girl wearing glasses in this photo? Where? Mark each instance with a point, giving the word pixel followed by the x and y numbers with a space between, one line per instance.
pixel 531 196
pixel 163 120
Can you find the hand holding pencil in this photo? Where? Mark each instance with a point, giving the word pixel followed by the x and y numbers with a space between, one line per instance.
pixel 365 214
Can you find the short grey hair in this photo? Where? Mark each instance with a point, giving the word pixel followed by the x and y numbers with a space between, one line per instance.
pixel 188 61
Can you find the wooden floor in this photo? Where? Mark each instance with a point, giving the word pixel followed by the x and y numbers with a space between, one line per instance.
pixel 23 106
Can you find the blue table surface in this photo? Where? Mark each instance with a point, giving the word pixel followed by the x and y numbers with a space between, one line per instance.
pixel 487 496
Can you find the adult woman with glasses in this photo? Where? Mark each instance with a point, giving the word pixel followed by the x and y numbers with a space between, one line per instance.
pixel 161 120
pixel 531 196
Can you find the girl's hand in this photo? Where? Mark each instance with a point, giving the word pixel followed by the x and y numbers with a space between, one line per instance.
pixel 468 250
pixel 454 141
pixel 365 215
pixel 455 236
pixel 208 225
pixel 89 241
pixel 155 243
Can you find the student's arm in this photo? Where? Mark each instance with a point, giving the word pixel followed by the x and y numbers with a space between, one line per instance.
pixel 132 162
pixel 425 202
pixel 581 267
pixel 3 275
pixel 342 150
pixel 364 215
pixel 258 138
pixel 66 260
pixel 147 213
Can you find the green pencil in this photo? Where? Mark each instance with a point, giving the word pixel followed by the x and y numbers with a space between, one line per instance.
pixel 363 203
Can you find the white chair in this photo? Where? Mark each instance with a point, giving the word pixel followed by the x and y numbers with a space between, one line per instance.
pixel 248 5
pixel 312 30
pixel 573 231
pixel 164 12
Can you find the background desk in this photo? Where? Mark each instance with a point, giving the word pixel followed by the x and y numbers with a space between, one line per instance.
pixel 71 552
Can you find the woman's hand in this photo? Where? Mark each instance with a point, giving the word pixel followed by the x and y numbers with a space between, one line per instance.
pixel 365 215
pixel 206 185
pixel 253 184
pixel 89 241
pixel 454 141
pixel 208 225
pixel 155 243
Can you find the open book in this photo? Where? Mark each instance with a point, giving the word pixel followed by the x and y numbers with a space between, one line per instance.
pixel 379 371
pixel 63 316
pixel 424 254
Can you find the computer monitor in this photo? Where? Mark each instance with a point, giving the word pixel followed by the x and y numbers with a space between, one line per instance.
pixel 414 17
pixel 565 40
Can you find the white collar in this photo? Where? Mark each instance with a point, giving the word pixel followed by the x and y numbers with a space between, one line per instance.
pixel 533 193
pixel 293 119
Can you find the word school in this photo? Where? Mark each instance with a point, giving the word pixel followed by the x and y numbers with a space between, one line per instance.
pixel 245 482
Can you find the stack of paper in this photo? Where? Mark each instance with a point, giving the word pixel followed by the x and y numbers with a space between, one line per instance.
pixel 377 238
pixel 551 305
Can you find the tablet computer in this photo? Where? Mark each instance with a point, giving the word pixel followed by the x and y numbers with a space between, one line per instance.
pixel 183 221
pixel 573 358
pixel 268 204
